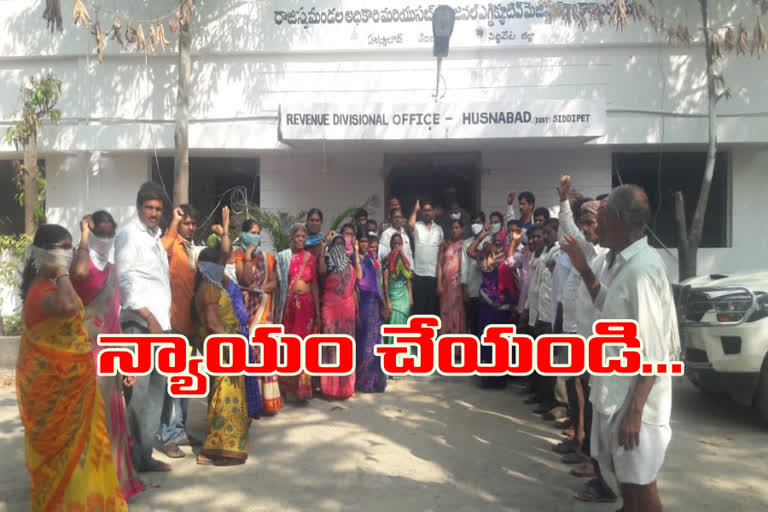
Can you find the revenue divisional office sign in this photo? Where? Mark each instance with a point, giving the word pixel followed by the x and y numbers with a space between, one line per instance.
pixel 375 121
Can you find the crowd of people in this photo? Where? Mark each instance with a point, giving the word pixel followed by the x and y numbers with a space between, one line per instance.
pixel 88 437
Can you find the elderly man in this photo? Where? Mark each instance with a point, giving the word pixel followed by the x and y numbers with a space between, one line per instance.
pixel 631 420
pixel 397 226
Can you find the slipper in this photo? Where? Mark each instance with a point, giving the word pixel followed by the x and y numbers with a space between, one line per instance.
pixel 569 433
pixel 563 423
pixel 595 492
pixel 205 461
pixel 585 471
pixel 173 451
pixel 573 458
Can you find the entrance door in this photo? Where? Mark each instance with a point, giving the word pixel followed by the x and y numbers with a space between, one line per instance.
pixel 435 177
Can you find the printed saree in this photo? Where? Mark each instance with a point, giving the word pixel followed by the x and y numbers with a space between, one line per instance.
pixel 261 308
pixel 227 420
pixel 101 297
pixel 68 453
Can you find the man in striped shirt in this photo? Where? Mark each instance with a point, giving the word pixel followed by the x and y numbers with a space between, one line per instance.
pixel 142 264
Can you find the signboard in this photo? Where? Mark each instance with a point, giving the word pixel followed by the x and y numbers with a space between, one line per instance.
pixel 376 121
pixel 345 24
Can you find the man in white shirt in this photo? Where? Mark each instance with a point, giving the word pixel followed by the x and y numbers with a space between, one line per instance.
pixel 398 221
pixel 631 421
pixel 427 237
pixel 143 276
pixel 472 276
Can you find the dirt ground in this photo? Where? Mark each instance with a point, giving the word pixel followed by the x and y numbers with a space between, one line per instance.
pixel 430 445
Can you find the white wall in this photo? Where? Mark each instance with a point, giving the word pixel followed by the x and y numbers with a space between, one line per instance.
pixel 86 182
pixel 749 247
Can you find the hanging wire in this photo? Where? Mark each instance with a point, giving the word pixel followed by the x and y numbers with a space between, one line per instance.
pixel 649 228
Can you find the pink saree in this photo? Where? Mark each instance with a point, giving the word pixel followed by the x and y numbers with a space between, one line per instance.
pixel 452 313
pixel 101 298
pixel 299 318
pixel 338 313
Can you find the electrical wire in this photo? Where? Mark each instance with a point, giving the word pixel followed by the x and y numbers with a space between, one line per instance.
pixel 649 229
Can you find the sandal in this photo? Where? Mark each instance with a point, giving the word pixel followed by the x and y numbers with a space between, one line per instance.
pixel 202 460
pixel 568 433
pixel 563 423
pixel 584 471
pixel 172 450
pixel 596 492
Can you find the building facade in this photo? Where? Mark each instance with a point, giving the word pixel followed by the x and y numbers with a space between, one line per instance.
pixel 327 103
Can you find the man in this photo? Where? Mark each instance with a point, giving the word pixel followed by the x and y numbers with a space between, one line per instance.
pixel 146 305
pixel 631 420
pixel 398 222
pixel 527 203
pixel 372 228
pixel 455 212
pixel 472 277
pixel 427 237
pixel 361 219
pixel 392 205
pixel 178 244
pixel 535 264
pixel 520 268
pixel 540 215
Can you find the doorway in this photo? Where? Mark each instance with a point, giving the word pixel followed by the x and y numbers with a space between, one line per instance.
pixel 419 177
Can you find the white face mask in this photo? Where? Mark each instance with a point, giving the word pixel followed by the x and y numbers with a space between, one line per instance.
pixel 456 216
pixel 477 228
pixel 59 258
pixel 101 246
pixel 372 233
pixel 495 228
pixel 101 250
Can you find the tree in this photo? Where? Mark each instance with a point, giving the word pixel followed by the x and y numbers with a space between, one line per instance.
pixel 181 137
pixel 730 37
pixel 38 105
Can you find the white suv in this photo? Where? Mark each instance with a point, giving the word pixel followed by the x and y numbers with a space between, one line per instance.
pixel 724 335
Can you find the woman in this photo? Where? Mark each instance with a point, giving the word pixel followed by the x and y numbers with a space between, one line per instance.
pixel 398 294
pixel 369 376
pixel 498 291
pixel 315 237
pixel 452 314
pixel 226 440
pixel 67 449
pixel 299 302
pixel 339 304
pixel 95 281
pixel 257 273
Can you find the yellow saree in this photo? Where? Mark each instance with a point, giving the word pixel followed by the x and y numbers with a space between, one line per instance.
pixel 227 433
pixel 67 450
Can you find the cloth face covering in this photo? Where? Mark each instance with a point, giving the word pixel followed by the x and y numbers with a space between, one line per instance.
pixel 101 250
pixel 212 272
pixel 338 260
pixel 59 258
pixel 250 240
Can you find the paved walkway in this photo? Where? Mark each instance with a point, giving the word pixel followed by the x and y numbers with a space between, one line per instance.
pixel 430 445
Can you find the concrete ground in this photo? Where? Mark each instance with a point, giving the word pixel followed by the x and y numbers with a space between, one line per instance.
pixel 430 445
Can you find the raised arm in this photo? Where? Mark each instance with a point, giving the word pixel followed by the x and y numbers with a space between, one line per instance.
pixel 414 214
pixel 511 196
pixel 81 266
pixel 173 231
pixel 472 249
pixel 358 266
pixel 226 242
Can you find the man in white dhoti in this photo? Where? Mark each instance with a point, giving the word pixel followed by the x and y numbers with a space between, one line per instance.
pixel 630 425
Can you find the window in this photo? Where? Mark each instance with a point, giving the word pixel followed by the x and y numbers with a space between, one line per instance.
pixel 661 175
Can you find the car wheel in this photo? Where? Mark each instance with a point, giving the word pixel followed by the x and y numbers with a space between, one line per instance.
pixel 761 396
pixel 700 383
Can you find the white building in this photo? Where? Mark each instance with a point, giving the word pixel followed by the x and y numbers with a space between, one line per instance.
pixel 265 74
